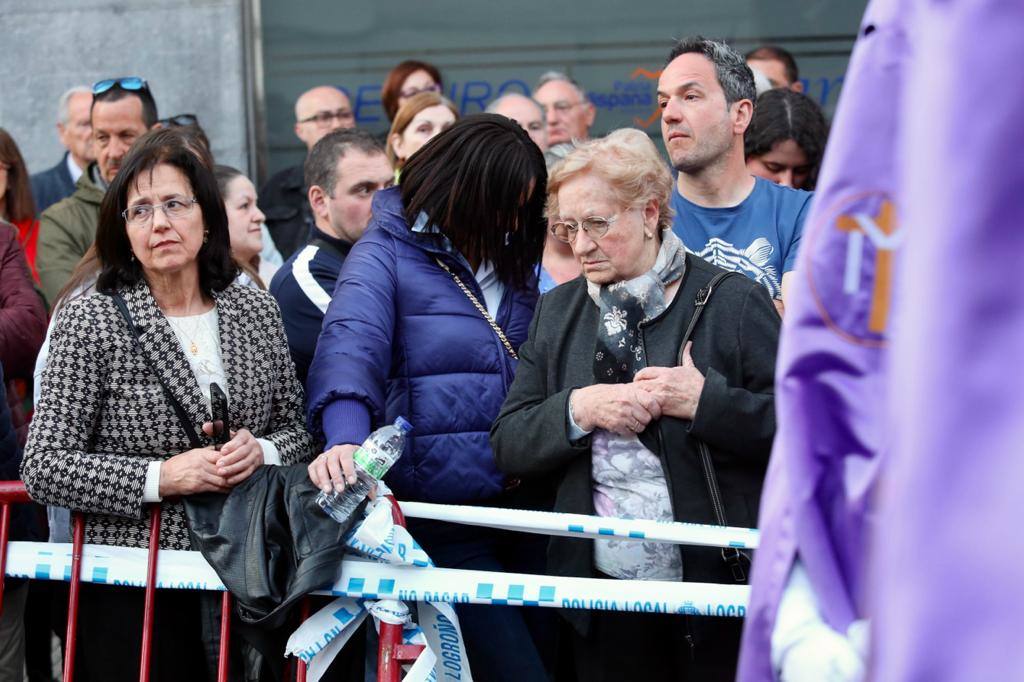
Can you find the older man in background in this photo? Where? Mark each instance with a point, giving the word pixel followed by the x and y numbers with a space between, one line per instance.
pixel 75 132
pixel 524 111
pixel 318 111
pixel 567 111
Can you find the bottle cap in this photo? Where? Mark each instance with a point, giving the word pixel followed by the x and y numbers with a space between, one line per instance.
pixel 403 424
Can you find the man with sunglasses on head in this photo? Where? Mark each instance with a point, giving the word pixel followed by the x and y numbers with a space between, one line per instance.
pixel 318 111
pixel 122 110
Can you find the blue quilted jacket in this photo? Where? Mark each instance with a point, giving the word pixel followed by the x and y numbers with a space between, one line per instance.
pixel 400 338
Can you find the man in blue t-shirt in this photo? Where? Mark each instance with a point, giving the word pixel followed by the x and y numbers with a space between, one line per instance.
pixel 722 213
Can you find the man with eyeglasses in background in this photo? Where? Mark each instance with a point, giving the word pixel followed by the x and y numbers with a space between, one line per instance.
pixel 318 111
pixel 75 131
pixel 122 110
pixel 567 111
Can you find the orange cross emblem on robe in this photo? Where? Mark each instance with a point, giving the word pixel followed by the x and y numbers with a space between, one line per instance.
pixel 883 232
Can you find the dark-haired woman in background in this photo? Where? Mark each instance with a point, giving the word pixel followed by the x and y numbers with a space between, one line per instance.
pixel 428 312
pixel 406 80
pixel 786 139
pixel 16 204
pixel 106 438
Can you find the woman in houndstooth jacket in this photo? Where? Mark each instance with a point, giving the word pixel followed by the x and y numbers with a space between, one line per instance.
pixel 106 440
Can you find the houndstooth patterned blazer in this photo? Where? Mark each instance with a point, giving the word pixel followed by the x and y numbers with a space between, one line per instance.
pixel 103 417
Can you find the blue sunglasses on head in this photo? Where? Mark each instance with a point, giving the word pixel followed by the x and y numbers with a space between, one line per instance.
pixel 126 83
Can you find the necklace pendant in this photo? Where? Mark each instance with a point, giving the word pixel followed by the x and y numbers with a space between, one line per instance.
pixel 194 348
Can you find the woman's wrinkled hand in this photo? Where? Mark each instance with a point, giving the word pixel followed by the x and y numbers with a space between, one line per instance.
pixel 239 457
pixel 332 469
pixel 621 408
pixel 193 471
pixel 677 389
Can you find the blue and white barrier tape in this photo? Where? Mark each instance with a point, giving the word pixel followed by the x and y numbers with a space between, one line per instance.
pixel 579 525
pixel 362 579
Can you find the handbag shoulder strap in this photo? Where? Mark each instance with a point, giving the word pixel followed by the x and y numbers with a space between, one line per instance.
pixel 737 562
pixel 186 423
pixel 483 311
pixel 703 296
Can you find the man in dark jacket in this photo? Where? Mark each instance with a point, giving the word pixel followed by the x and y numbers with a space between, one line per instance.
pixel 343 171
pixel 75 131
pixel 318 111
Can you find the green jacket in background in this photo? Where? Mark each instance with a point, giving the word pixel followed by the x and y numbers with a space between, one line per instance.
pixel 66 231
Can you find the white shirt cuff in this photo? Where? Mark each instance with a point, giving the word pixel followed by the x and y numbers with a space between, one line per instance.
pixel 798 612
pixel 151 493
pixel 575 432
pixel 270 452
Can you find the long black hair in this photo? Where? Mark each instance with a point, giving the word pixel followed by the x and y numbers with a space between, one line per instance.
pixel 482 182
pixel 118 269
pixel 781 115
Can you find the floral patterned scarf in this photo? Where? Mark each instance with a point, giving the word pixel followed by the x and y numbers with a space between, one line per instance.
pixel 619 353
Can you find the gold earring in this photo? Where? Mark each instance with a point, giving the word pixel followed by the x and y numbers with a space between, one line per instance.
pixel 206 236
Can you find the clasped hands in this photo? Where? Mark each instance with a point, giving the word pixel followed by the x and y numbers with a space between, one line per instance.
pixel 204 470
pixel 628 408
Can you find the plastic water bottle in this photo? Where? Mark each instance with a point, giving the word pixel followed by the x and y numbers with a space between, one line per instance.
pixel 372 460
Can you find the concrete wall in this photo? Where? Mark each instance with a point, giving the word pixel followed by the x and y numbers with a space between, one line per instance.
pixel 191 52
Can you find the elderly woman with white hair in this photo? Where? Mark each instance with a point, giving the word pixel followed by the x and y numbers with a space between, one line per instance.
pixel 646 387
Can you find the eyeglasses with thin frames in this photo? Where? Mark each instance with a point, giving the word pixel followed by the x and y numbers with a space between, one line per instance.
pixel 560 107
pixel 173 208
pixel 324 118
pixel 595 226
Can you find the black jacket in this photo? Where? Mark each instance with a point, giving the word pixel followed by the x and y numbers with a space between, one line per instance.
pixel 52 185
pixel 289 218
pixel 734 347
pixel 268 540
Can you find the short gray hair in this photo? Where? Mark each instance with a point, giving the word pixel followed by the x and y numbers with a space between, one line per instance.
pixel 549 76
pixel 492 108
pixel 735 77
pixel 64 103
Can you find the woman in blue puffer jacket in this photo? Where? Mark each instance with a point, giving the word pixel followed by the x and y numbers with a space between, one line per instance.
pixel 427 314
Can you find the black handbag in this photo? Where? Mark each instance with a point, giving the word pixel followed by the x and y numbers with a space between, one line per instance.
pixel 737 560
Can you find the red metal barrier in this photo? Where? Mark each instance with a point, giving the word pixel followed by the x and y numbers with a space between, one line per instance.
pixel 71 638
pixel 147 614
pixel 392 654
pixel 13 492
pixel 223 659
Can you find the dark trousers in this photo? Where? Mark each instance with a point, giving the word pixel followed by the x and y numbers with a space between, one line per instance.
pixel 499 642
pixel 630 646
pixel 110 635
pixel 652 646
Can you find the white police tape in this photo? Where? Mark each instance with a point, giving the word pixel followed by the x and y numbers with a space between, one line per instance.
pixel 363 579
pixel 579 525
pixel 377 537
